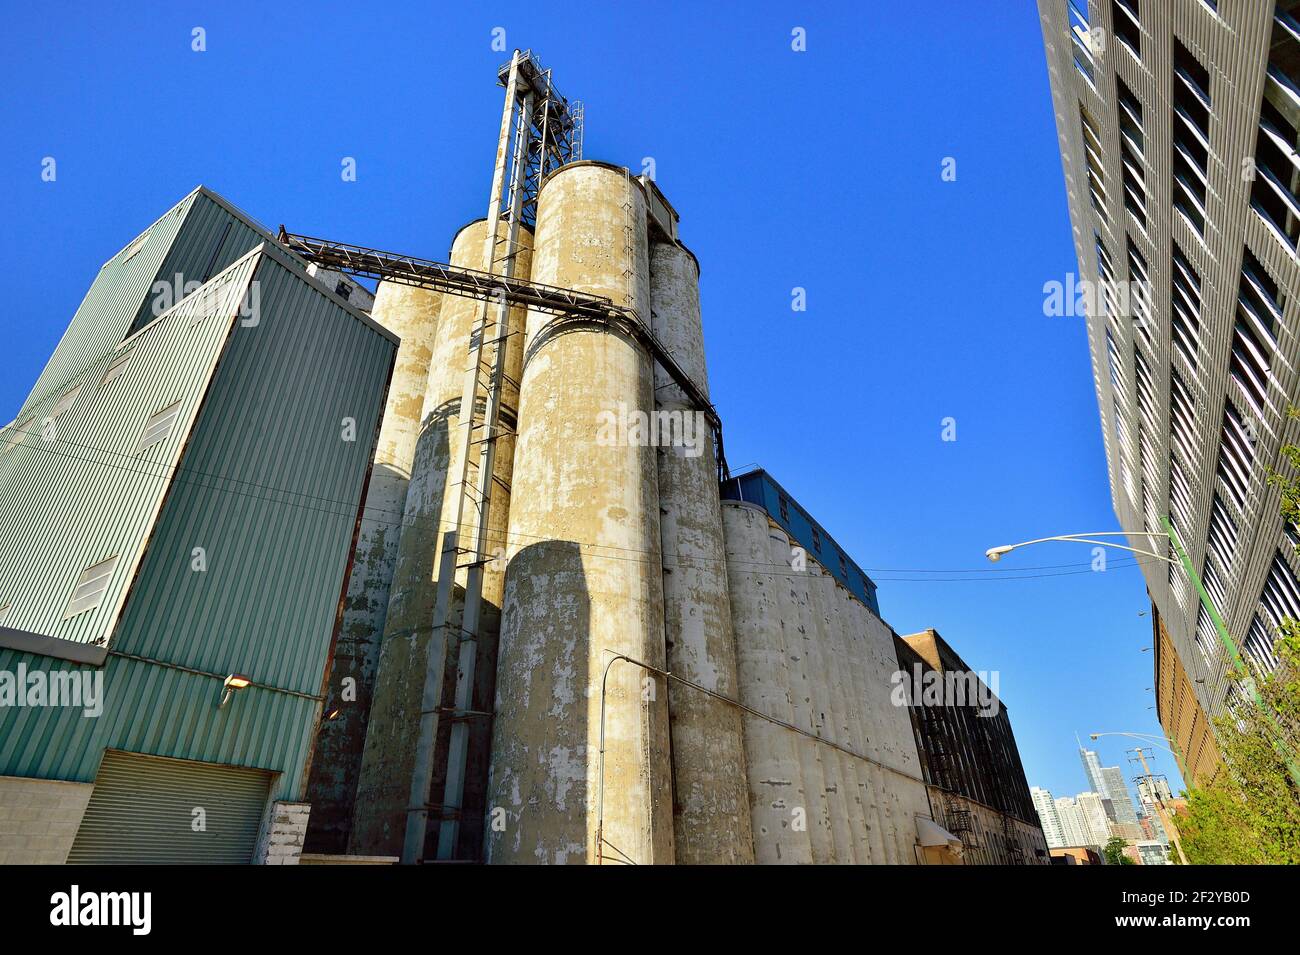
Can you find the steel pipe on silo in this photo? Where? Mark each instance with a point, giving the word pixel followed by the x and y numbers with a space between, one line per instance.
pixel 412 314
pixel 800 628
pixel 776 786
pixel 584 578
pixel 711 801
pixel 384 788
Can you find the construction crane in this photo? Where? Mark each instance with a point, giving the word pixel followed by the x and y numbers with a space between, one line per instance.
pixel 540 131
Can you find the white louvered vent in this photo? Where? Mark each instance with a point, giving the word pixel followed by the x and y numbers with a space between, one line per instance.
pixel 90 587
pixel 159 426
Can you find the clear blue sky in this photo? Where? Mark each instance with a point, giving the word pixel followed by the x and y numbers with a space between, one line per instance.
pixel 818 169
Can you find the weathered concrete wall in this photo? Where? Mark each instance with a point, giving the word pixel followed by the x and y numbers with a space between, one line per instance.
pixel 803 662
pixel 584 575
pixel 384 785
pixel 779 805
pixel 39 819
pixel 831 676
pixel 847 827
pixel 711 801
pixel 412 314
pixel 900 796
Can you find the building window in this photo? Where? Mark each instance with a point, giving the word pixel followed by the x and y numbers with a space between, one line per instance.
pixel 1221 542
pixel 1130 117
pixel 1128 25
pixel 90 588
pixel 1182 418
pixel 844 567
pixel 817 540
pixel 1279 600
pixel 1236 455
pixel 159 427
pixel 1139 289
pixel 1096 166
pixel 1081 37
pixel 116 368
pixel 1185 318
pixel 1191 136
pixel 1273 192
pixel 1254 337
pixel 343 290
pixel 785 509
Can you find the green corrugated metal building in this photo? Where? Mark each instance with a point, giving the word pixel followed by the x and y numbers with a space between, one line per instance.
pixel 179 498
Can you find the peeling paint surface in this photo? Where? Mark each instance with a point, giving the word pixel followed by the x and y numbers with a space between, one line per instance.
pixel 412 315
pixel 711 803
pixel 579 510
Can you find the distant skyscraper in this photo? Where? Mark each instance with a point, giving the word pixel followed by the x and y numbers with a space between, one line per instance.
pixel 1074 826
pixel 1047 815
pixel 1120 798
pixel 1092 807
pixel 1092 770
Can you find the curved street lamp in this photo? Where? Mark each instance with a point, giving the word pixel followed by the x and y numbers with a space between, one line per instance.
pixel 1283 749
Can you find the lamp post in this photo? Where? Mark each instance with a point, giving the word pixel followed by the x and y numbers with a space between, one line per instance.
pixel 1234 654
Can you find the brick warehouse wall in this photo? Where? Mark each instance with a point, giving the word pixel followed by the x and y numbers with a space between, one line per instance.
pixel 283 830
pixel 39 819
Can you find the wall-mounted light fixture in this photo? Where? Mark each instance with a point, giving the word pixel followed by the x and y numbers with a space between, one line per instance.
pixel 236 681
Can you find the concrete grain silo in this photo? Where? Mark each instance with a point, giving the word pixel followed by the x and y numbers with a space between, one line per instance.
pixel 384 788
pixel 840 774
pixel 875 794
pixel 584 579
pixel 776 787
pixel 711 798
pixel 411 313
pixel 802 660
pixel 857 770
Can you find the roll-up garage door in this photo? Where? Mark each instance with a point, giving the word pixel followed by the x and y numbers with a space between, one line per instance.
pixel 146 809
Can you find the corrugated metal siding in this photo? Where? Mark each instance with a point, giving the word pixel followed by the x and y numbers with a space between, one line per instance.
pixel 198 237
pixel 110 306
pixel 212 238
pixel 267 486
pixel 87 495
pixel 142 811
pixel 277 504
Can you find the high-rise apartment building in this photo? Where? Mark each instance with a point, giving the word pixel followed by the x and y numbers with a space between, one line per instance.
pixel 1048 816
pixel 1121 799
pixel 1091 806
pixel 1074 826
pixel 1178 129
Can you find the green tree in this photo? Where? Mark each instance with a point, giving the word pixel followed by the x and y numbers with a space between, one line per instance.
pixel 1115 852
pixel 1249 814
